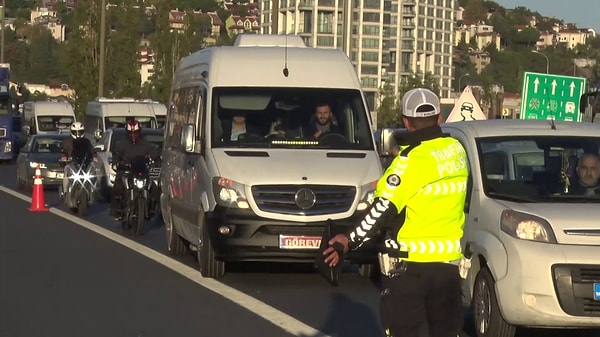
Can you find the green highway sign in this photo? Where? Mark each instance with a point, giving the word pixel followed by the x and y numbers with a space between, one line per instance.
pixel 547 96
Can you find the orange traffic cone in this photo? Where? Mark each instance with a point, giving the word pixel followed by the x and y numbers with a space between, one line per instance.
pixel 38 204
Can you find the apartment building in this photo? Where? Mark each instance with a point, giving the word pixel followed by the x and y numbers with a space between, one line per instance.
pixel 387 40
pixel 482 35
pixel 49 19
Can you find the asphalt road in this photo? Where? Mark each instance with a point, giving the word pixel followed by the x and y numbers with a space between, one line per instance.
pixel 65 276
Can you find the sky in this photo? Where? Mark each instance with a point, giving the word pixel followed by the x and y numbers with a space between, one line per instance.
pixel 583 13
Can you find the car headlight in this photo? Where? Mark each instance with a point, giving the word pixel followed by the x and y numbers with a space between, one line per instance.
pixel 8 146
pixel 34 164
pixel 367 191
pixel 526 227
pixel 229 193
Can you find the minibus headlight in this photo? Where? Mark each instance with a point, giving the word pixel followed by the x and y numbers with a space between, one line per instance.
pixel 229 193
pixel 526 227
pixel 367 191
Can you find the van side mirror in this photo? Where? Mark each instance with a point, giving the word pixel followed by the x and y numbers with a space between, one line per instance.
pixel 188 138
pixel 97 134
pixel 387 143
pixel 99 147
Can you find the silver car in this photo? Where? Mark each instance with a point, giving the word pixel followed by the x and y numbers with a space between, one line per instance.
pixel 105 148
pixel 43 151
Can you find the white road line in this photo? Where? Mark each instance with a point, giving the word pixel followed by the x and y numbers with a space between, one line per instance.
pixel 267 312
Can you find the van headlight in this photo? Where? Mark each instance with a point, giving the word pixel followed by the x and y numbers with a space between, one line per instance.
pixel 367 195
pixel 8 146
pixel 526 227
pixel 229 193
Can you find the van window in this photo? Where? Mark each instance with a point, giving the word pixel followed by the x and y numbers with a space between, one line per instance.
pixel 183 110
pixel 285 118
pixel 120 121
pixel 54 123
pixel 538 168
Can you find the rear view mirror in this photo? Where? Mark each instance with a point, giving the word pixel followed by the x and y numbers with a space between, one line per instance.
pixel 188 139
pixel 387 143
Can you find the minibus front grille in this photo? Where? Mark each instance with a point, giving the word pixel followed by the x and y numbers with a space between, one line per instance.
pixel 304 199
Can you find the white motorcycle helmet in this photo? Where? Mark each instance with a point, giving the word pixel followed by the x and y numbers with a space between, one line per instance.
pixel 77 130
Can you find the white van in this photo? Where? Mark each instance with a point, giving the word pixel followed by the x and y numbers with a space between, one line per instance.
pixel 104 113
pixel 264 197
pixel 535 239
pixel 43 117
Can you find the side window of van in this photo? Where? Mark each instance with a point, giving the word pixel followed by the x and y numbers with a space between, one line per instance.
pixel 183 110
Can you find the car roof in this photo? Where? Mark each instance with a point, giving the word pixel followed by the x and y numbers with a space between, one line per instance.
pixel 50 135
pixel 520 127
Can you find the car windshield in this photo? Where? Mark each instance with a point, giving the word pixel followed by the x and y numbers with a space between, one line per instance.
pixel 287 118
pixel 47 145
pixel 540 168
pixel 54 123
pixel 120 121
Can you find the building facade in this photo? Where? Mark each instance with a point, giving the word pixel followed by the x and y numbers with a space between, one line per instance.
pixel 387 40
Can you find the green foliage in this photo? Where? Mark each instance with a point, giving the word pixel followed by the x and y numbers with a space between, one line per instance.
pixel 389 113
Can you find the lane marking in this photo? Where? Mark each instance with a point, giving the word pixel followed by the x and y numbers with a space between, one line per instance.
pixel 267 312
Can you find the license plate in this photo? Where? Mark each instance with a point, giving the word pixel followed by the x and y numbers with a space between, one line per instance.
pixel 60 175
pixel 51 174
pixel 299 242
pixel 597 291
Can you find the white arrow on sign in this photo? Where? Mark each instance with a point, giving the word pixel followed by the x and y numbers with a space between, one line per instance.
pixel 572 86
pixel 536 83
pixel 554 87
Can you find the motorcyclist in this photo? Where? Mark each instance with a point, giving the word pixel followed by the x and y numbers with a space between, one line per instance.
pixel 128 151
pixel 75 147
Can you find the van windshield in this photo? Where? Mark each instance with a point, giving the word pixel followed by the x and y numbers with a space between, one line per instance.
pixel 120 121
pixel 541 168
pixel 298 118
pixel 54 123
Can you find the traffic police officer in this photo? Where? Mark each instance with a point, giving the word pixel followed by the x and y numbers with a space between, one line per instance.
pixel 418 216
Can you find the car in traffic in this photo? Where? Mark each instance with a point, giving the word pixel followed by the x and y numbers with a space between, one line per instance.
pixel 534 242
pixel 105 149
pixel 43 151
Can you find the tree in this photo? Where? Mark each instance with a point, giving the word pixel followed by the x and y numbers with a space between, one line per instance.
pixel 43 62
pixel 388 112
pixel 475 11
pixel 80 53
pixel 528 37
pixel 122 77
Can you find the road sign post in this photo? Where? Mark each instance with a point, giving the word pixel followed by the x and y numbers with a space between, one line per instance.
pixel 547 96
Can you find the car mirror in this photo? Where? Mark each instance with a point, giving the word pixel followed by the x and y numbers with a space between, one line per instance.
pixel 97 134
pixel 387 142
pixel 188 139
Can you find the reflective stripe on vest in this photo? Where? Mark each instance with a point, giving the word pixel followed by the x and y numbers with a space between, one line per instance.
pixel 431 250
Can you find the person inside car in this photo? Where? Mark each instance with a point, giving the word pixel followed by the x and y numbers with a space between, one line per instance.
pixel 588 175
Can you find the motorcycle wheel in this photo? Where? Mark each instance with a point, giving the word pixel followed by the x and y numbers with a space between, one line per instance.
pixel 140 215
pixel 82 204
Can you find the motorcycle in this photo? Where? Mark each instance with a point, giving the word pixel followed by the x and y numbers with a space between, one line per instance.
pixel 137 202
pixel 81 188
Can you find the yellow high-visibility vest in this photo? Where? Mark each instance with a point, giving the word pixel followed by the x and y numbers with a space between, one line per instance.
pixel 428 182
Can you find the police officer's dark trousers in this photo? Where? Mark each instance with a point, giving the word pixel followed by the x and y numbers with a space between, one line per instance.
pixel 426 293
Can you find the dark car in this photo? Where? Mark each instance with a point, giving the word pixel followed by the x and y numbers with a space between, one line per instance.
pixel 43 151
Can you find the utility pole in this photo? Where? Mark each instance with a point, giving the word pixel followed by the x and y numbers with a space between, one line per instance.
pixel 3 29
pixel 102 46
